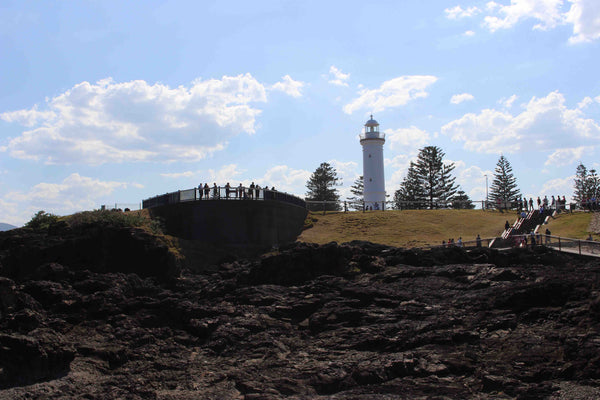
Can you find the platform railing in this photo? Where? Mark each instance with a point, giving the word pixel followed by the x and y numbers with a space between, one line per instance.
pixel 222 193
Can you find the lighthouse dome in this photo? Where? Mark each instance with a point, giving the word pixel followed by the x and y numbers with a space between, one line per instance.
pixel 372 122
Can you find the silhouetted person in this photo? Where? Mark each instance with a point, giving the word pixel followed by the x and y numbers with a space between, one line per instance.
pixel 506 226
pixel 478 240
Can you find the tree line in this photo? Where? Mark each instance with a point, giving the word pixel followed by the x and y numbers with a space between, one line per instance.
pixel 429 183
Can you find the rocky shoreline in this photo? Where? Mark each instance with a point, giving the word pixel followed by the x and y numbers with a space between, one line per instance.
pixel 350 321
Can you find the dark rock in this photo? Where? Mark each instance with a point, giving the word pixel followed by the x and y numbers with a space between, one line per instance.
pixel 351 321
pixel 41 355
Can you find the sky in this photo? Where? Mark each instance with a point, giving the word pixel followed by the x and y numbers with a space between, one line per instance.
pixel 113 102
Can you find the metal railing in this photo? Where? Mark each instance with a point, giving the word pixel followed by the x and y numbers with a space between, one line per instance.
pixel 222 193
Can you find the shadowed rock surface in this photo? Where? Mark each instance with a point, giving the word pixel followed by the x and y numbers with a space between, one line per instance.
pixel 351 321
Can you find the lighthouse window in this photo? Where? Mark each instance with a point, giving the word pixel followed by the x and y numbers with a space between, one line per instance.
pixel 370 180
pixel 369 156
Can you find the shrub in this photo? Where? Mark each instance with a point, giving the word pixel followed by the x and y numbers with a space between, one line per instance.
pixel 41 220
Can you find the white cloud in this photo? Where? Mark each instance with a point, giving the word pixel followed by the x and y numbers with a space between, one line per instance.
pixel 459 98
pixel 557 187
pixel 289 86
pixel 286 179
pixel 337 77
pixel 176 175
pixel 135 121
pixel 458 12
pixel 585 17
pixel 546 12
pixel 469 33
pixel 508 102
pixel 393 93
pixel 566 156
pixel 545 123
pixel 75 193
pixel 406 139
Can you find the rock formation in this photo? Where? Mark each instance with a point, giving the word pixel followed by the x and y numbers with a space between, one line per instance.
pixel 106 313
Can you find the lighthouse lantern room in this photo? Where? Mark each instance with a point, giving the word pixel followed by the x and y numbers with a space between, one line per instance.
pixel 373 177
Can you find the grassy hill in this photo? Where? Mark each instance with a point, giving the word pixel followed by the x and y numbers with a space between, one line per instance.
pixel 416 228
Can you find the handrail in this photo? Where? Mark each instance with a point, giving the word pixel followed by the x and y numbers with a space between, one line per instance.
pixel 222 193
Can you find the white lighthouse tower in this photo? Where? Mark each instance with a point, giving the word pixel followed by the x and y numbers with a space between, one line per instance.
pixel 374 184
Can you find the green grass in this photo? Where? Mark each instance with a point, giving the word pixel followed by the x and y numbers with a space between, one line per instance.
pixel 418 228
pixel 575 225
pixel 408 228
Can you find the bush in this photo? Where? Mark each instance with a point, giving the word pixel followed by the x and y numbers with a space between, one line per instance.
pixel 114 218
pixel 41 220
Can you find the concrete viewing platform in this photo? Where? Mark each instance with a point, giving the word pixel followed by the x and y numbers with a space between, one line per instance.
pixel 230 217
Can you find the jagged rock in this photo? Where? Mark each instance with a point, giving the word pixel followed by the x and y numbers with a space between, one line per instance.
pixel 351 321
pixel 41 355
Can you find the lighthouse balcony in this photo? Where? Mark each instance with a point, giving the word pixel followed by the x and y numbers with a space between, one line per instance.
pixel 372 135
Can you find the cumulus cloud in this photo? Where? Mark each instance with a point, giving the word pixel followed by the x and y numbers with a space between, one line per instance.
pixel 459 98
pixel 406 139
pixel 393 93
pixel 75 193
pixel 286 179
pixel 469 33
pixel 547 13
pixel 458 12
pixel 557 187
pixel 111 122
pixel 337 77
pixel 568 155
pixel 289 86
pixel 583 15
pixel 545 123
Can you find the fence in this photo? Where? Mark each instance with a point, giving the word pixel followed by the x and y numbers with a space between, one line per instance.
pixel 582 247
pixel 122 206
pixel 221 193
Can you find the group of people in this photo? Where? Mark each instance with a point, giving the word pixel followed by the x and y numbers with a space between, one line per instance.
pixel 554 203
pixel 239 192
pixel 591 204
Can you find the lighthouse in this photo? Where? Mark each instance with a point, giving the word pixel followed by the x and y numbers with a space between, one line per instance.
pixel 374 184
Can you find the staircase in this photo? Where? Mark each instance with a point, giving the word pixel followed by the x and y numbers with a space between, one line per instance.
pixel 522 226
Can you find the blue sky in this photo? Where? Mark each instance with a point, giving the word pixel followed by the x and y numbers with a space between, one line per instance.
pixel 113 102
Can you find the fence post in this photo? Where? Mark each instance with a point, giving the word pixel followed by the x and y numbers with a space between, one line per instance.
pixel 559 247
pixel 579 241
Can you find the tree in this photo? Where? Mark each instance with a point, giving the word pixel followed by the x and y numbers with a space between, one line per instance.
pixel 504 186
pixel 357 189
pixel 410 195
pixel 321 187
pixel 436 180
pixel 587 184
pixel 462 201
pixel 581 177
pixel 41 221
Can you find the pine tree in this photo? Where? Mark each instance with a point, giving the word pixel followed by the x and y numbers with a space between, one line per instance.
pixel 462 201
pixel 411 194
pixel 357 189
pixel 321 187
pixel 504 186
pixel 587 184
pixel 594 184
pixel 447 183
pixel 437 183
